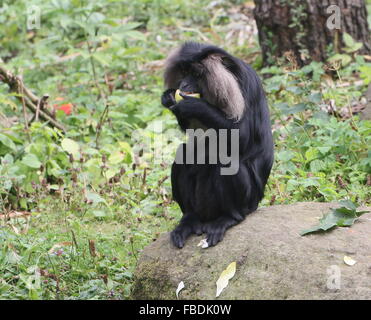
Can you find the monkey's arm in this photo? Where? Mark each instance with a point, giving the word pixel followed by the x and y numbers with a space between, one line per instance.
pixel 168 98
pixel 194 108
pixel 168 101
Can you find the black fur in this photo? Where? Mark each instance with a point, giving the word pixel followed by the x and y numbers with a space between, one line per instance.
pixel 212 202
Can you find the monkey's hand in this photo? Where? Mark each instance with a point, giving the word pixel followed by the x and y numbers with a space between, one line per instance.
pixel 168 98
pixel 192 108
pixel 197 108
pixel 188 107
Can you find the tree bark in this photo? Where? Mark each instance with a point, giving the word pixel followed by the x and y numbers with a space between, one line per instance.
pixel 300 28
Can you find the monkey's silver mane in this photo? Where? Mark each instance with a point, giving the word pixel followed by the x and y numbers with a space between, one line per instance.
pixel 219 86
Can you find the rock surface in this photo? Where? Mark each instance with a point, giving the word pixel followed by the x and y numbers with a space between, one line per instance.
pixel 273 260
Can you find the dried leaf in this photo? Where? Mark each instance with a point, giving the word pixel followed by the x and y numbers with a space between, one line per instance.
pixel 224 278
pixel 203 244
pixel 180 287
pixel 92 250
pixel 349 261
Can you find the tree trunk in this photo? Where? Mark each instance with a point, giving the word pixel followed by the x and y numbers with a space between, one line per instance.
pixel 306 29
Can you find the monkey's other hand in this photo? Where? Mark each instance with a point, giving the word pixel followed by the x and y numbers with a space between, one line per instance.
pixel 168 98
pixel 188 107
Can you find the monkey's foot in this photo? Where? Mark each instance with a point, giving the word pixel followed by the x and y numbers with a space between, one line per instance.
pixel 183 231
pixel 216 229
pixel 179 235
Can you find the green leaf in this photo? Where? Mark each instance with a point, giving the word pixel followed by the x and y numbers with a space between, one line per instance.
pixel 285 155
pixel 12 257
pixel 317 165
pixel 116 157
pixel 95 198
pixel 315 97
pixel 23 203
pixel 295 109
pixel 354 48
pixel 348 40
pixel 323 150
pixel 310 182
pixel 341 217
pixel 31 160
pixel 136 35
pixel 101 58
pixel 348 204
pixel 295 89
pixel 99 213
pixel 130 26
pixel 351 45
pixel 6 141
pixel 95 18
pixel 343 58
pixel 311 154
pixel 365 73
pixel 125 147
pixel 71 147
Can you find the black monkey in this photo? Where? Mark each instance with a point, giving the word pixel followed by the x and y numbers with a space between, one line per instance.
pixel 231 97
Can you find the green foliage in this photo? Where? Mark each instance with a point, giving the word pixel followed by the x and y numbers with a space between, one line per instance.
pixel 318 157
pixel 351 47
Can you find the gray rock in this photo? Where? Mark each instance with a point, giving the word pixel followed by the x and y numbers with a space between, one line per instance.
pixel 273 260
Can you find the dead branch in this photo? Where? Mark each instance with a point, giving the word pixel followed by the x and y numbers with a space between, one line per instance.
pixel 31 101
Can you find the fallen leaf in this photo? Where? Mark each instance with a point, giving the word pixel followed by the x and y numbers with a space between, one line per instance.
pixel 224 278
pixel 344 216
pixel 203 244
pixel 180 287
pixel 349 261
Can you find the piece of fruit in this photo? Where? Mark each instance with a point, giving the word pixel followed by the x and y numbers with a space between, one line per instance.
pixel 178 97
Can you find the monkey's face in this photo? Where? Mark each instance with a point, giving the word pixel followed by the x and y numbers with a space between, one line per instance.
pixel 189 85
pixel 195 68
pixel 190 77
